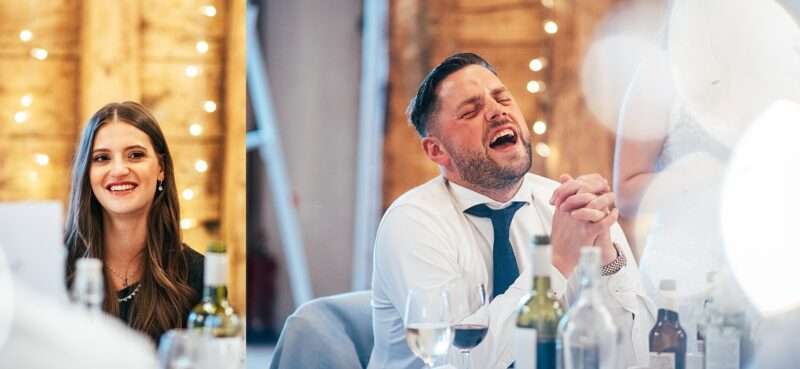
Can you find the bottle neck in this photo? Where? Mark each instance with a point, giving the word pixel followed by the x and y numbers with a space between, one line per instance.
pixel 542 260
pixel 590 282
pixel 666 315
pixel 215 276
pixel 88 288
pixel 216 294
pixel 541 284
pixel 670 300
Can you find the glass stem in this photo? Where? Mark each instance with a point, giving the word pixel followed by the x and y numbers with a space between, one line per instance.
pixel 465 357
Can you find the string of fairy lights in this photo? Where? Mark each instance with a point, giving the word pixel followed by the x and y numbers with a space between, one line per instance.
pixel 196 128
pixel 22 115
pixel 23 112
pixel 541 66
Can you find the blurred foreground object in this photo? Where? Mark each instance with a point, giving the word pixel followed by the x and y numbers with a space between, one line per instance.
pixel 31 241
pixel 43 331
pixel 758 221
pixel 778 347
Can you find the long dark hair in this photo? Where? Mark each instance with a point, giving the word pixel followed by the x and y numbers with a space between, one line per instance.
pixel 165 294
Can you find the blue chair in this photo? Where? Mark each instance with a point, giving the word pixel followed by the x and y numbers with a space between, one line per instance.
pixel 333 332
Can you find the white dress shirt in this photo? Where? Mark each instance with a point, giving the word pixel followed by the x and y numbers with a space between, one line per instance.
pixel 425 240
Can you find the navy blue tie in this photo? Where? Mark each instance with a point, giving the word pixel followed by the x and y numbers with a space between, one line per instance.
pixel 504 270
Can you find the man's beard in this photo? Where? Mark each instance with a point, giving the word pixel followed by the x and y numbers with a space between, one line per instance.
pixel 477 168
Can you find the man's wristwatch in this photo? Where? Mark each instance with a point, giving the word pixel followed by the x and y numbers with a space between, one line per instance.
pixel 615 265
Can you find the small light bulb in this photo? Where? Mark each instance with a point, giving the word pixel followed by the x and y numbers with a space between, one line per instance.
pixel 548 3
pixel 542 149
pixel 550 27
pixel 201 166
pixel 188 194
pixel 21 117
pixel 41 159
pixel 187 223
pixel 209 10
pixel 535 86
pixel 195 129
pixel 39 53
pixel 26 100
pixel 209 106
pixel 201 47
pixel 539 127
pixel 537 64
pixel 26 35
pixel 192 71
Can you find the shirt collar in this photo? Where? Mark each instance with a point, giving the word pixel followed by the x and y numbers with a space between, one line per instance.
pixel 466 198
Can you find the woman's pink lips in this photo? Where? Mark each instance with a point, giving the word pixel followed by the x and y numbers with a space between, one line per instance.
pixel 121 192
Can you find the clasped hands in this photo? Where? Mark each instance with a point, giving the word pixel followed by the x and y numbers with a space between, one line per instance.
pixel 583 216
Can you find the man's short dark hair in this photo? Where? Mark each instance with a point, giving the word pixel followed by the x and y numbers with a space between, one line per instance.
pixel 423 105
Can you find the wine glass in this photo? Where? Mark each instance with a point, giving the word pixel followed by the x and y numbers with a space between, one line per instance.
pixel 470 314
pixel 428 332
pixel 180 349
pixel 223 353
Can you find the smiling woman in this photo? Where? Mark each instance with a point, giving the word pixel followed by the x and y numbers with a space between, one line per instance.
pixel 123 210
pixel 124 170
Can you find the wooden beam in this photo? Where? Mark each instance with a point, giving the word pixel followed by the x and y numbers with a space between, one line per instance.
pixel 405 165
pixel 109 63
pixel 234 180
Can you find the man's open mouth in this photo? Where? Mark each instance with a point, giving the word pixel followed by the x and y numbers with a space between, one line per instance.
pixel 503 138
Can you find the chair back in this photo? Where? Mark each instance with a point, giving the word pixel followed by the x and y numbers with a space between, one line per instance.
pixel 333 332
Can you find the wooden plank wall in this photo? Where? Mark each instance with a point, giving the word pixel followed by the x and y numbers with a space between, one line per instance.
pixel 44 127
pixel 145 50
pixel 509 34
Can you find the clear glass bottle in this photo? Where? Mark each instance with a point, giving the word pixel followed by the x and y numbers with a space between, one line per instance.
pixel 667 338
pixel 214 315
pixel 727 335
pixel 729 343
pixel 705 313
pixel 587 335
pixel 538 316
pixel 88 288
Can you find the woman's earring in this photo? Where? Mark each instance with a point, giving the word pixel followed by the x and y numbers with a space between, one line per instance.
pixel 160 186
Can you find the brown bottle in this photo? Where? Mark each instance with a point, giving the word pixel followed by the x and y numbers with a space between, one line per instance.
pixel 667 338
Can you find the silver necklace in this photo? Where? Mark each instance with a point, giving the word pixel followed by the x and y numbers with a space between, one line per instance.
pixel 124 277
pixel 130 295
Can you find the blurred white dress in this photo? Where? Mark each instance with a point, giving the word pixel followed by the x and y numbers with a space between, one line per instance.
pixel 684 242
pixel 728 61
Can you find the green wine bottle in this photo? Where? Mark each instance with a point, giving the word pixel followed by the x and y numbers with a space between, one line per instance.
pixel 214 315
pixel 541 312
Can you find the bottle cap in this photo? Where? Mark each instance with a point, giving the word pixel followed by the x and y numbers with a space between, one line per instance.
pixel 668 285
pixel 541 240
